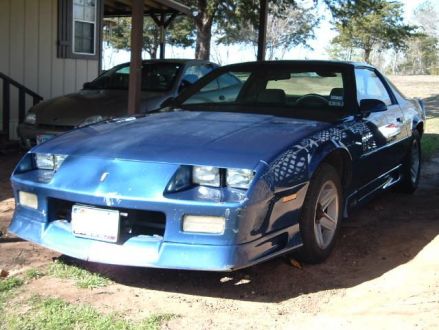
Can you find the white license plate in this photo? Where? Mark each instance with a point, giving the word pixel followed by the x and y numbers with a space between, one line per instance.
pixel 95 223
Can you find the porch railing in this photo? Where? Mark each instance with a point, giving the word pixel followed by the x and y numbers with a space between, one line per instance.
pixel 22 92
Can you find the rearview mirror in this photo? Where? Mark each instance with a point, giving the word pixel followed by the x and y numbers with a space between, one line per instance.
pixel 278 76
pixel 372 105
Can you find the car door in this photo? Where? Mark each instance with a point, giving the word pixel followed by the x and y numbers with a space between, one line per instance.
pixel 383 141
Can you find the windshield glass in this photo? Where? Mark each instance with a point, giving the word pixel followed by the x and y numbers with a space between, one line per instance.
pixel 155 77
pixel 278 91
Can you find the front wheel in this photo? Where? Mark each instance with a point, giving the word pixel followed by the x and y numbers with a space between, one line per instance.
pixel 321 215
pixel 411 168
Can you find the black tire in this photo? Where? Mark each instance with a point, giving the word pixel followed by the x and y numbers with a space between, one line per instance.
pixel 313 250
pixel 411 167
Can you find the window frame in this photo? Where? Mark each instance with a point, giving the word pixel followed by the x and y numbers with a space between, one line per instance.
pixel 383 81
pixel 66 26
pixel 94 22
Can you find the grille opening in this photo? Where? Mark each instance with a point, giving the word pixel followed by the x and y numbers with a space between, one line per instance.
pixel 132 222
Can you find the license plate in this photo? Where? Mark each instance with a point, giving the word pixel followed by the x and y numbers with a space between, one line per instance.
pixel 95 223
pixel 44 137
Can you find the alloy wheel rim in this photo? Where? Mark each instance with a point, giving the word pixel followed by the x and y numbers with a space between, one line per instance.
pixel 326 214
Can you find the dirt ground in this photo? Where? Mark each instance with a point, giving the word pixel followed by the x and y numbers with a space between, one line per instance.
pixel 384 272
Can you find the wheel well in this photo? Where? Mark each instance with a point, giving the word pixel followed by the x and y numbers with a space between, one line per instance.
pixel 341 161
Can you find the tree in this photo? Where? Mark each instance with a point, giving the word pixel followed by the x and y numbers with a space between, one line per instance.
pixel 422 53
pixel 118 34
pixel 368 24
pixel 421 56
pixel 289 24
pixel 229 16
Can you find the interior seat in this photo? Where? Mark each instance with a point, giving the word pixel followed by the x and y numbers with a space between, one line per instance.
pixel 272 96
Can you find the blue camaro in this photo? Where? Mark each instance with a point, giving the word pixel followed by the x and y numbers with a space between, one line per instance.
pixel 253 161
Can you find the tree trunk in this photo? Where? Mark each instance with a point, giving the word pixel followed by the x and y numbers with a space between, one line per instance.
pixel 202 47
pixel 367 52
pixel 153 52
pixel 203 22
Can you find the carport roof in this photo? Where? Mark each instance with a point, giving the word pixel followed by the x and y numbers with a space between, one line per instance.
pixel 113 8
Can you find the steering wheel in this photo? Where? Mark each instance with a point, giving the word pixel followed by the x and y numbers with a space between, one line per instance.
pixel 312 99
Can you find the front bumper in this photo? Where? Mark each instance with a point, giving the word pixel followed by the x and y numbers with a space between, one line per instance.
pixel 151 251
pixel 143 251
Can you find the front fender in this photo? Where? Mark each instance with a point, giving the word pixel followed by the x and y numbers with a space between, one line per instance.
pixel 323 152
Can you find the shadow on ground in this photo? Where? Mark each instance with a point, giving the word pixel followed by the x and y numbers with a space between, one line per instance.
pixel 432 105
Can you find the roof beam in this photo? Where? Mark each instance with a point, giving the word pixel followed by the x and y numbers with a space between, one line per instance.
pixel 176 6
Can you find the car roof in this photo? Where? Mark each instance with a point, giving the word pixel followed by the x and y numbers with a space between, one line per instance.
pixel 173 60
pixel 323 63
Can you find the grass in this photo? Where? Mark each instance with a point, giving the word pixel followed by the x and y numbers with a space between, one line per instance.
pixel 430 140
pixel 430 145
pixel 10 283
pixel 33 274
pixel 82 277
pixel 55 314
pixel 6 286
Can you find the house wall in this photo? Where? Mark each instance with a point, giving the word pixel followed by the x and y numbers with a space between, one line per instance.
pixel 28 37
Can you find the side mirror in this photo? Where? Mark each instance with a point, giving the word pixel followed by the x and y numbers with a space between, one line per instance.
pixel 372 105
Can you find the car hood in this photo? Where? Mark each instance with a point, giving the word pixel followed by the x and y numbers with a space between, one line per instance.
pixel 72 109
pixel 182 137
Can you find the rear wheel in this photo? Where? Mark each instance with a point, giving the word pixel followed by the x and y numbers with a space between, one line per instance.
pixel 411 168
pixel 321 215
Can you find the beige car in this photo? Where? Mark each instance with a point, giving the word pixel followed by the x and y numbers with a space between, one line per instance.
pixel 107 97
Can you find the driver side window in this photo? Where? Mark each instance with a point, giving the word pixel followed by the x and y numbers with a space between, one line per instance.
pixel 370 86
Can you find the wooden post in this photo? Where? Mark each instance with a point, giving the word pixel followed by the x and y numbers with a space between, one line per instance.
pixel 134 88
pixel 262 34
pixel 162 36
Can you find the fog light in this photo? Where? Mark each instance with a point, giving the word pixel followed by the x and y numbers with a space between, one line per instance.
pixel 28 199
pixel 204 224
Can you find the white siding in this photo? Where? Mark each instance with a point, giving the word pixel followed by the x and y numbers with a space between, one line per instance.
pixel 28 36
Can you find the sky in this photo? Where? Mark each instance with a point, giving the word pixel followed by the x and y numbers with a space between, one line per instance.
pixel 240 53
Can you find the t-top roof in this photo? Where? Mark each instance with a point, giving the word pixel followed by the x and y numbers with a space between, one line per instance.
pixel 114 8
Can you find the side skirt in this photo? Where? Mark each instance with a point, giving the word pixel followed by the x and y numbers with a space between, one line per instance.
pixel 371 189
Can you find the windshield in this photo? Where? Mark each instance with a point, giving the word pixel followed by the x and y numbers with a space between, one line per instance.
pixel 155 77
pixel 279 91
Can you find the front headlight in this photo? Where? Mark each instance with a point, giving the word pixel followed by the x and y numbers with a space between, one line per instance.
pixel 206 176
pixel 91 120
pixel 239 178
pixel 209 176
pixel 31 118
pixel 49 161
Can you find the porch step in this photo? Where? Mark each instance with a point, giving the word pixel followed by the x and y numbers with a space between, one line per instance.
pixel 6 145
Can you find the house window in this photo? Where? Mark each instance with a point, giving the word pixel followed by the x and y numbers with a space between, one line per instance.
pixel 84 26
pixel 78 28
